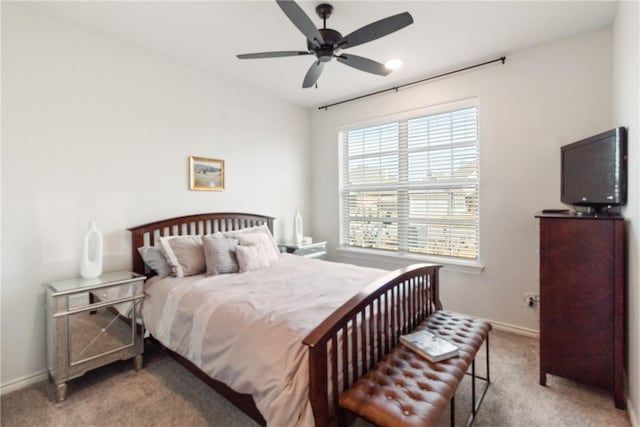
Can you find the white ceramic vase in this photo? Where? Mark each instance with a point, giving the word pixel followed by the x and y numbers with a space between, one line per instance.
pixel 297 226
pixel 91 262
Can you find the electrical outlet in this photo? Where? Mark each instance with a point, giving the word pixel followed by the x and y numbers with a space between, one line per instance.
pixel 531 299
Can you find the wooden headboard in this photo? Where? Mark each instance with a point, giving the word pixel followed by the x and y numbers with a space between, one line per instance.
pixel 200 224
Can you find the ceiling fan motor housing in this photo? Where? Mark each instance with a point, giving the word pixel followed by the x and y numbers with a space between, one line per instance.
pixel 326 51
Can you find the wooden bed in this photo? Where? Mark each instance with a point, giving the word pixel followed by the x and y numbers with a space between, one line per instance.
pixel 372 320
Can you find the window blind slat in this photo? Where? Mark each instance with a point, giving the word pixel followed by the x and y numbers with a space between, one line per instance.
pixel 412 185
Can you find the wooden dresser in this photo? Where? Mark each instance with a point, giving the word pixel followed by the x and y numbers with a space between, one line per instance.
pixel 582 300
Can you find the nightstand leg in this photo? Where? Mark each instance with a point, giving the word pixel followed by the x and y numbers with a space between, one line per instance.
pixel 137 362
pixel 61 392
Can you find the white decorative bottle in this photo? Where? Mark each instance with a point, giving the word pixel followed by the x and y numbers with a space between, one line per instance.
pixel 298 227
pixel 91 263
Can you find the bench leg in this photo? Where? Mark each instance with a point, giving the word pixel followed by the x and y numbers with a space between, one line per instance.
pixel 453 411
pixel 473 388
pixel 487 348
pixel 476 405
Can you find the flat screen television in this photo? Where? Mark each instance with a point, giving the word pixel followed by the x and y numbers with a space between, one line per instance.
pixel 594 171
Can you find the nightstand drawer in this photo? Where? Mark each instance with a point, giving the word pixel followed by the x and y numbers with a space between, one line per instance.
pixel 114 293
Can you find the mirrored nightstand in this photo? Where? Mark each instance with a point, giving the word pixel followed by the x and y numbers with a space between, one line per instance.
pixel 92 322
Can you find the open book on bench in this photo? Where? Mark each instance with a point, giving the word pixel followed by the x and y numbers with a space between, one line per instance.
pixel 429 345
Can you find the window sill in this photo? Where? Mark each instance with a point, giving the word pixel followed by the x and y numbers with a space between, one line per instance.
pixel 400 260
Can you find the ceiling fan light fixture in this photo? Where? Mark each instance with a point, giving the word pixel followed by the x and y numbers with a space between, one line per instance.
pixel 393 64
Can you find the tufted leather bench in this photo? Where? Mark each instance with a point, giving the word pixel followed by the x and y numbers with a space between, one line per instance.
pixel 404 389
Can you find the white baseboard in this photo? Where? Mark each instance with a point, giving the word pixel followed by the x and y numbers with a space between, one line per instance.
pixel 23 382
pixel 633 417
pixel 518 330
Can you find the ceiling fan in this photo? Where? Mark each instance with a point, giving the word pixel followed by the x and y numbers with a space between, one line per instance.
pixel 326 43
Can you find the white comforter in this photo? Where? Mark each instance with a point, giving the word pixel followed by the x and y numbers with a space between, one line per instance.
pixel 246 329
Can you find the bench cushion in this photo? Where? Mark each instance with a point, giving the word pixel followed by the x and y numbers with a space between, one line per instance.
pixel 404 389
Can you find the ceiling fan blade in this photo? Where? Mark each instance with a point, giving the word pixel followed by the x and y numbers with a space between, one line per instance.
pixel 276 54
pixel 312 75
pixel 375 30
pixel 301 21
pixel 363 64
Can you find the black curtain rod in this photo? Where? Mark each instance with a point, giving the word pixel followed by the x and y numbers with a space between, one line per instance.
pixel 396 88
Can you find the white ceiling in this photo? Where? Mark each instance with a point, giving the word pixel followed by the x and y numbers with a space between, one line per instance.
pixel 445 35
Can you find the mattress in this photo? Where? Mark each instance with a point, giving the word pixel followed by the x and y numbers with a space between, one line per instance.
pixel 246 329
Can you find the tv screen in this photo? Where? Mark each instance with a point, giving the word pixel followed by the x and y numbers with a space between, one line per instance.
pixel 594 171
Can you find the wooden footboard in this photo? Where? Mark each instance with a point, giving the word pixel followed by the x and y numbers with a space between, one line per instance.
pixel 356 336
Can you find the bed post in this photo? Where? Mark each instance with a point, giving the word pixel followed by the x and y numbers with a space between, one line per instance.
pixel 318 385
pixel 435 289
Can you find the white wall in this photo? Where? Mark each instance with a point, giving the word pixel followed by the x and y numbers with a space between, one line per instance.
pixel 626 112
pixel 540 99
pixel 95 129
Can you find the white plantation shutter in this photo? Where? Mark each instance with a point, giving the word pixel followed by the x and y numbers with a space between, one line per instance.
pixel 411 185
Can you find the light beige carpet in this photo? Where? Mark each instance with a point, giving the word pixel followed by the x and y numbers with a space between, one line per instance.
pixel 165 394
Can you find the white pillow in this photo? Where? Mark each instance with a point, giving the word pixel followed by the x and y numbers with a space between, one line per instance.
pixel 155 260
pixel 184 254
pixel 257 229
pixel 251 258
pixel 261 240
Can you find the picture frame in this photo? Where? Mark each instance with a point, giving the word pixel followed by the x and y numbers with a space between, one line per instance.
pixel 206 174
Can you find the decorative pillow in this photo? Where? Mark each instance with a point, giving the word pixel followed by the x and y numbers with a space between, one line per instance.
pixel 220 255
pixel 259 239
pixel 258 229
pixel 155 260
pixel 184 255
pixel 251 258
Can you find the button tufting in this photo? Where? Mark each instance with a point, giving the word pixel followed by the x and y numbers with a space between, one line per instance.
pixel 409 379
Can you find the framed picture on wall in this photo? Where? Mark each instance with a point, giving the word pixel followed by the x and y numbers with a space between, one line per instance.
pixel 206 174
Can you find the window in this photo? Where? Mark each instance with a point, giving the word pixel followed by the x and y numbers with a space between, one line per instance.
pixel 410 186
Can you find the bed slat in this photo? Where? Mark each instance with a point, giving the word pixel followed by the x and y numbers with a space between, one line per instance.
pixel 345 358
pixel 334 370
